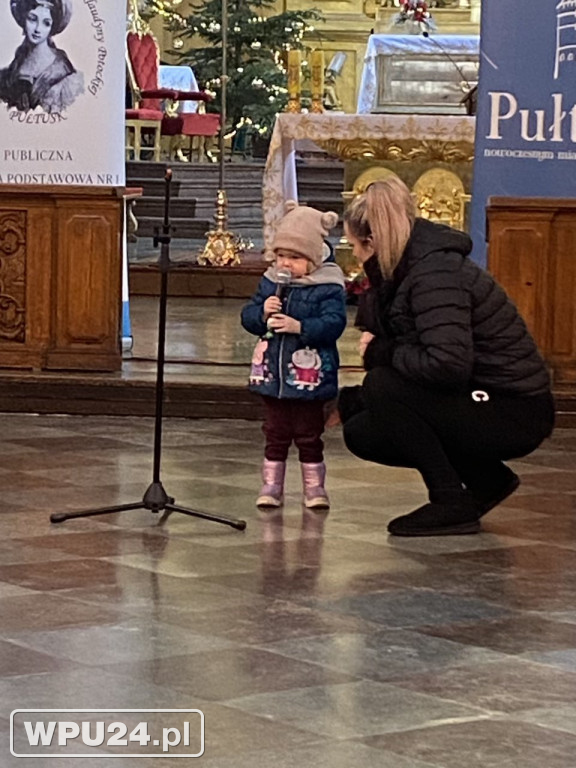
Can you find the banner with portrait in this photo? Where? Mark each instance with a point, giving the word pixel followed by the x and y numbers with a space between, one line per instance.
pixel 526 122
pixel 62 92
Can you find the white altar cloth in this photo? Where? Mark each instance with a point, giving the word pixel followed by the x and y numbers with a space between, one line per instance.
pixel 280 184
pixel 181 79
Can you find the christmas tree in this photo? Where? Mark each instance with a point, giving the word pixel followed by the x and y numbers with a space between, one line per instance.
pixel 167 9
pixel 258 40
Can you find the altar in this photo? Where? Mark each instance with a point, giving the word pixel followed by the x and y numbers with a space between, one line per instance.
pixel 433 154
pixel 418 75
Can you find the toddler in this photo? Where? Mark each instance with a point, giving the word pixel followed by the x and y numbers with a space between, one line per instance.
pixel 295 362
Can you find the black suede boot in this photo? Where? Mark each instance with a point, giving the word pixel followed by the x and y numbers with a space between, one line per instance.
pixel 490 496
pixel 449 513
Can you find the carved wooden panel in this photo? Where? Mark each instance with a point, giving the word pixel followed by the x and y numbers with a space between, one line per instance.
pixel 13 275
pixel 60 277
pixel 88 284
pixel 84 284
pixel 532 254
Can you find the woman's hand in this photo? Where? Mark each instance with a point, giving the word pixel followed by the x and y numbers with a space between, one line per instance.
pixel 284 324
pixel 365 339
pixel 333 419
pixel 272 305
pixel 331 414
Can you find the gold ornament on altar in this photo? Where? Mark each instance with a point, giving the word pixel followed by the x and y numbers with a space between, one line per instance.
pixel 370 176
pixel 222 248
pixel 440 197
pixel 404 150
pixel 294 74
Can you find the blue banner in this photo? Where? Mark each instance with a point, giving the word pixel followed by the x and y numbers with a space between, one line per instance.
pixel 526 120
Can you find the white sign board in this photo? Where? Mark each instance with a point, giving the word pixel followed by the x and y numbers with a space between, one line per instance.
pixel 62 92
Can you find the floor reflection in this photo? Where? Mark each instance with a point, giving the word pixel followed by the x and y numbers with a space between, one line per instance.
pixel 308 639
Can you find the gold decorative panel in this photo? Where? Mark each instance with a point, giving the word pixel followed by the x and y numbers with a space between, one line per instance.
pixel 440 197
pixel 406 150
pixel 369 177
pixel 12 275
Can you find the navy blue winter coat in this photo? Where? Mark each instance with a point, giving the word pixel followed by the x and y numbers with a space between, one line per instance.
pixel 299 366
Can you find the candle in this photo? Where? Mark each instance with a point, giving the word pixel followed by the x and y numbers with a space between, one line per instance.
pixel 294 80
pixel 317 80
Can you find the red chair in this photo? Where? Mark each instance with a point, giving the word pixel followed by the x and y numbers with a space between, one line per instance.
pixel 147 115
pixel 191 125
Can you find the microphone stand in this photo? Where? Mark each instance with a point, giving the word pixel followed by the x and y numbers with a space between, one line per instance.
pixel 156 498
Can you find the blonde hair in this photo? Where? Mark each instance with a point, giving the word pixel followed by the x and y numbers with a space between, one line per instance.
pixel 385 212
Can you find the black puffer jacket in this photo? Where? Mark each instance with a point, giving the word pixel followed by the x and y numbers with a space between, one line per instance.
pixel 444 321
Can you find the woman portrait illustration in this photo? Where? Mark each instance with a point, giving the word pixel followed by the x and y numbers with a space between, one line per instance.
pixel 40 74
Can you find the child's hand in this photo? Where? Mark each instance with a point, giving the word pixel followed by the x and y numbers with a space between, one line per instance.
pixel 272 305
pixel 365 339
pixel 284 324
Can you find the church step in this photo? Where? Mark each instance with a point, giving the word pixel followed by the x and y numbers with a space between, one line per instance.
pixel 193 170
pixel 320 184
pixel 145 169
pixel 207 192
pixel 327 169
pixel 103 395
pixel 183 207
pixel 324 202
pixel 196 228
pixel 191 280
pixel 236 209
pixel 107 394
pixel 181 227
pixel 153 187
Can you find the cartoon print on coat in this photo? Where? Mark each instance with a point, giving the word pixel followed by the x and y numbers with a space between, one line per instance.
pixel 259 371
pixel 304 370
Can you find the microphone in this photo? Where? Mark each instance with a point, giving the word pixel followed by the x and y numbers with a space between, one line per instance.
pixel 283 280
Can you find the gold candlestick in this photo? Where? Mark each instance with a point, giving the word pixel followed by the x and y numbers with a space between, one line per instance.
pixel 222 248
pixel 317 80
pixel 294 80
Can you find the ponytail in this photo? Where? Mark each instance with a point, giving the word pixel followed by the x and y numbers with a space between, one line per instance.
pixel 385 212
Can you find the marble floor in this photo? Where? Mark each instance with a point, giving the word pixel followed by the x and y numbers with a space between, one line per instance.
pixel 306 640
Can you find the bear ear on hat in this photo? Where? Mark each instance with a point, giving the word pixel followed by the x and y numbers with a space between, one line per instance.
pixel 290 205
pixel 329 219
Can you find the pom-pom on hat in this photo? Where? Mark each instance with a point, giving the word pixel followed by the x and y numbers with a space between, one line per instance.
pixel 303 230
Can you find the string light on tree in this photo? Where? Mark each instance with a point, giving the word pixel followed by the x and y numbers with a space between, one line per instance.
pixel 257 40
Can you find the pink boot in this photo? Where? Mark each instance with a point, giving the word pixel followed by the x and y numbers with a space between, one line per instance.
pixel 272 491
pixel 313 476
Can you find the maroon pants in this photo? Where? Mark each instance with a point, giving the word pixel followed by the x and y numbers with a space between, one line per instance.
pixel 298 421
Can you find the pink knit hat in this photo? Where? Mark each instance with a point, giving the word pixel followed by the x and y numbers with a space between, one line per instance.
pixel 303 231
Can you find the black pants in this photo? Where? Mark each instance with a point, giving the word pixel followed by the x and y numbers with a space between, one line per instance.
pixel 449 437
pixel 298 421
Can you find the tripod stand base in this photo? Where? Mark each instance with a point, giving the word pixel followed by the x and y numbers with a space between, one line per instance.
pixel 156 500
